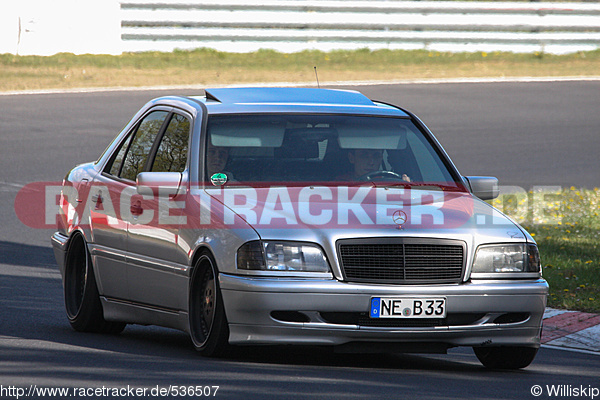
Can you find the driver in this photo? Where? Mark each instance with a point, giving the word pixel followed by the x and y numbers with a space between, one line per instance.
pixel 364 162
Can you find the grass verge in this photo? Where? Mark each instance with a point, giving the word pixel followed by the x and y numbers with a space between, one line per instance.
pixel 210 67
pixel 566 226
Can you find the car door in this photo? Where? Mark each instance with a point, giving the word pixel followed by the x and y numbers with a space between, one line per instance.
pixel 155 278
pixel 108 221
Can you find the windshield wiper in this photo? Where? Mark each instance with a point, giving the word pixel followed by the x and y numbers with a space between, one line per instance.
pixel 426 185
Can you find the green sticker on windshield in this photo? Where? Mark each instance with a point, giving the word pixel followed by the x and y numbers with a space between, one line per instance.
pixel 218 179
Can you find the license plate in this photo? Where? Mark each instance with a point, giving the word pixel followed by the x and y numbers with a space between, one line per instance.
pixel 408 307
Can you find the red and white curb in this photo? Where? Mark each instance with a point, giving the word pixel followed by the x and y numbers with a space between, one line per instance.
pixel 571 329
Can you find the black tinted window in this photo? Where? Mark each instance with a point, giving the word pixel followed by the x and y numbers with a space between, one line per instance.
pixel 114 166
pixel 142 144
pixel 172 152
pixel 314 148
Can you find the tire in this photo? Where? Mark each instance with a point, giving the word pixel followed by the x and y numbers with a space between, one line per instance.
pixel 208 326
pixel 505 357
pixel 82 301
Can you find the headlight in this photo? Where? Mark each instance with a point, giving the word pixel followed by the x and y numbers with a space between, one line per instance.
pixel 282 256
pixel 506 259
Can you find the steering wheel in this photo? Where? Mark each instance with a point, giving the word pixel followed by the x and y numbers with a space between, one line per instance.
pixel 385 175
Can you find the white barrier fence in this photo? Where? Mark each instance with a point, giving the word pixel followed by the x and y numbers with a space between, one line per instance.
pixel 294 25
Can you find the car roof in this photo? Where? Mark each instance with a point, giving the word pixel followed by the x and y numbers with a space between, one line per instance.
pixel 287 95
pixel 292 100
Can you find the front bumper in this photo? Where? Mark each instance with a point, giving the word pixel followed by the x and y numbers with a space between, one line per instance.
pixel 295 311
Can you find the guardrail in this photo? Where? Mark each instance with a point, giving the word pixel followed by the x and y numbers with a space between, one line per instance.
pixel 294 25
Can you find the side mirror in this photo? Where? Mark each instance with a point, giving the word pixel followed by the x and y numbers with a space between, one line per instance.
pixel 484 187
pixel 148 183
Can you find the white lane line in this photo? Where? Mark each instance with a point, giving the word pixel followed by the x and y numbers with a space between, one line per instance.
pixel 549 346
pixel 11 186
pixel 312 84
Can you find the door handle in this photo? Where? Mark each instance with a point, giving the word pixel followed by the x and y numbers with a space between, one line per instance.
pixel 97 199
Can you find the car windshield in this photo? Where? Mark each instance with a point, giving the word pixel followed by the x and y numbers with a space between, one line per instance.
pixel 304 149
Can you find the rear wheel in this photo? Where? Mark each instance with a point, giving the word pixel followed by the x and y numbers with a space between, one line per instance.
pixel 508 357
pixel 82 301
pixel 208 325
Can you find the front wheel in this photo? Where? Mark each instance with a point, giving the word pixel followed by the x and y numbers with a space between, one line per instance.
pixel 82 300
pixel 209 330
pixel 509 357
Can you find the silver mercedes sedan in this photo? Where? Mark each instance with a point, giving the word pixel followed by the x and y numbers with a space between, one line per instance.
pixel 295 216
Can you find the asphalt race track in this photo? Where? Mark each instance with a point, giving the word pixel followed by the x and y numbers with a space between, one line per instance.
pixel 526 134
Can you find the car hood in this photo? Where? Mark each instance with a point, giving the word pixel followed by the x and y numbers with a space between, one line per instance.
pixel 326 214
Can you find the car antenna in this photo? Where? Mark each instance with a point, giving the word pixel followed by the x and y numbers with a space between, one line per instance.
pixel 317 75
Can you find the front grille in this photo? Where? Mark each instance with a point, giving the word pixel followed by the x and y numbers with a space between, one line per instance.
pixel 402 261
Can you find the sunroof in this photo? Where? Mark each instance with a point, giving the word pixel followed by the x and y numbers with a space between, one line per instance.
pixel 287 95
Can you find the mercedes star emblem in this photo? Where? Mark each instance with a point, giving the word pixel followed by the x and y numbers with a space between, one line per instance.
pixel 399 217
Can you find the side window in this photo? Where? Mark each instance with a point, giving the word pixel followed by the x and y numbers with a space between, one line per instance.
pixel 142 144
pixel 172 152
pixel 115 167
